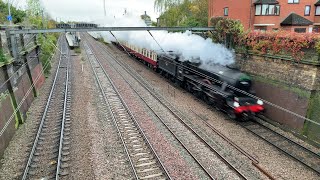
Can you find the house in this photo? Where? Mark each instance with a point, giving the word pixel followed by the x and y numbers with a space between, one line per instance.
pixel 146 19
pixel 291 15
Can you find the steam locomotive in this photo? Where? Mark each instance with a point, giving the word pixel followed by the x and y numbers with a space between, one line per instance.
pixel 223 87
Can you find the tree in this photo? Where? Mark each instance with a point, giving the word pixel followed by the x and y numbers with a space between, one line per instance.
pixel 35 13
pixel 161 5
pixel 37 17
pixel 18 16
pixel 185 13
pixel 226 30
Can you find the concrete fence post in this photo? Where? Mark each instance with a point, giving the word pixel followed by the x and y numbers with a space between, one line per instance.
pixel 25 60
pixel 9 72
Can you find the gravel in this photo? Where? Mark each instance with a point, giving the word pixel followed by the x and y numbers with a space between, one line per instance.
pixel 81 112
pixel 176 165
pixel 108 153
pixel 275 162
pixel 216 167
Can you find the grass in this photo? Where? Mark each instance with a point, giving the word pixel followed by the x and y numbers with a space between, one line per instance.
pixel 77 50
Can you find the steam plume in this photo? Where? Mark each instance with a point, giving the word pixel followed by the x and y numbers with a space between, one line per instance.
pixel 189 45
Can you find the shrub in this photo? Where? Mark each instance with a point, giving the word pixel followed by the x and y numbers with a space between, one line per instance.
pixel 2 56
pixel 47 50
pixel 281 42
pixel 225 26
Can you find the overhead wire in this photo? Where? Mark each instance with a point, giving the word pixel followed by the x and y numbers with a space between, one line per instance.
pixel 244 92
pixel 119 43
pixel 156 42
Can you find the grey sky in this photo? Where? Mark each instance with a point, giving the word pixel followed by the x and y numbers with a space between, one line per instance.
pixel 89 10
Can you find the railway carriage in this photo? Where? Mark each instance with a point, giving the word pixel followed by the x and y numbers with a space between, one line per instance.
pixel 147 56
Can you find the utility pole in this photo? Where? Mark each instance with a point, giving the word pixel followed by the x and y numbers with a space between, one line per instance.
pixel 10 20
pixel 104 7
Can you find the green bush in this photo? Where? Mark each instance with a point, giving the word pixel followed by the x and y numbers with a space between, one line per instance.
pixel 3 58
pixel 226 29
pixel 47 50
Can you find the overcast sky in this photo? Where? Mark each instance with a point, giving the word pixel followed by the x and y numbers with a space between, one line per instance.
pixel 89 10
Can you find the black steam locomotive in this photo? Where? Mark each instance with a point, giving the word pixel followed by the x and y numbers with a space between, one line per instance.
pixel 223 87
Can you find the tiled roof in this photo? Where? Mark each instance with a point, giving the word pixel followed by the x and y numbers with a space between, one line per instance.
pixel 317 3
pixel 267 2
pixel 295 20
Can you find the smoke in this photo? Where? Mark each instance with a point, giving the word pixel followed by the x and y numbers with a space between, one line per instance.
pixel 191 47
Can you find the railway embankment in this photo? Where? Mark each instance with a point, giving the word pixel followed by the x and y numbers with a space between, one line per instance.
pixel 292 85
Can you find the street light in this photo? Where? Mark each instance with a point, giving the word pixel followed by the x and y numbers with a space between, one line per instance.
pixel 104 7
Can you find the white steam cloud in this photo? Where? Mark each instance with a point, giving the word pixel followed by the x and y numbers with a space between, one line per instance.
pixel 190 46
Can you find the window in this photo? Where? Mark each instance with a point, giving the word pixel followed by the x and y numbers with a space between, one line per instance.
pixel 300 30
pixel 271 9
pixel 225 11
pixel 317 10
pixel 293 1
pixel 258 9
pixel 264 9
pixel 307 10
pixel 260 28
pixel 267 10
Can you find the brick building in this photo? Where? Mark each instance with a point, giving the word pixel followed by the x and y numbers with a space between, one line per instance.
pixel 293 15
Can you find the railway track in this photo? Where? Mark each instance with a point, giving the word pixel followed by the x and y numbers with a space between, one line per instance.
pixel 298 152
pixel 180 117
pixel 143 159
pixel 294 150
pixel 48 156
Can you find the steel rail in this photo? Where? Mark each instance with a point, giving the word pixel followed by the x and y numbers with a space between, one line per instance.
pixel 254 161
pixel 65 103
pixel 35 143
pixel 174 135
pixel 281 148
pixel 168 128
pixel 269 175
pixel 113 116
pixel 37 31
pixel 131 115
pixel 171 109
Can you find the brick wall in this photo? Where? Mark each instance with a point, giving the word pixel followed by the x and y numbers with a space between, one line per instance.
pixel 245 12
pixel 293 74
pixel 293 86
pixel 237 10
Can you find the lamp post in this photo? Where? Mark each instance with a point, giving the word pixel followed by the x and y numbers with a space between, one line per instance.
pixel 104 7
